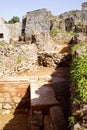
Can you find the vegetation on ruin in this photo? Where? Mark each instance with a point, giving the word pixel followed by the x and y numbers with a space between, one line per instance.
pixel 80 23
pixel 68 33
pixel 77 46
pixel 3 44
pixel 19 59
pixel 71 121
pixel 53 31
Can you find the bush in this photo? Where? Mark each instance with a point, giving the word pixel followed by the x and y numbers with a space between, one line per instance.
pixel 77 46
pixel 14 20
pixel 3 44
pixel 53 31
pixel 19 60
pixel 79 78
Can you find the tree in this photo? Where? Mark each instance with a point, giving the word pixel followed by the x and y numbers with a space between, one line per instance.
pixel 14 19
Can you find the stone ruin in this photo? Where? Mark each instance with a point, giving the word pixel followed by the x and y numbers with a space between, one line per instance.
pixel 42 21
pixel 9 32
pixel 4 31
pixel 36 21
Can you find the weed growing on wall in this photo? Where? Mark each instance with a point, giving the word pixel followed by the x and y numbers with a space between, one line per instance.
pixel 19 60
pixel 53 31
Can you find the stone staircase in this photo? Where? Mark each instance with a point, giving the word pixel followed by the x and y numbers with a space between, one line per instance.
pixel 50 101
pixel 45 92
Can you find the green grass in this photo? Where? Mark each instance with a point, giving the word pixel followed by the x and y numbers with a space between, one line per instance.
pixel 53 31
pixel 19 60
pixel 68 33
pixel 3 44
pixel 77 46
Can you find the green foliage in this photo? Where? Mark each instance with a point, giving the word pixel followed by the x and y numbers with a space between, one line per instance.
pixel 68 33
pixel 85 34
pixel 73 33
pixel 53 31
pixel 6 21
pixel 77 46
pixel 3 44
pixel 78 76
pixel 19 60
pixel 14 20
pixel 80 23
pixel 71 121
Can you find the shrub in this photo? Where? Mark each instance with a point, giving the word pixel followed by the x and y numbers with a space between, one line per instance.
pixel 19 60
pixel 53 31
pixel 77 46
pixel 3 44
pixel 71 121
pixel 79 78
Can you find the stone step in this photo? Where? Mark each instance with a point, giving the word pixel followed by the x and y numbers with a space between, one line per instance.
pixel 47 123
pixel 56 80
pixel 57 118
pixel 42 96
pixel 35 121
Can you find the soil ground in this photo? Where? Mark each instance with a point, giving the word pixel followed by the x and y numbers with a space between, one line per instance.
pixel 11 122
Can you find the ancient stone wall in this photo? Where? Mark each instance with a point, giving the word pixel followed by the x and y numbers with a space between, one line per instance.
pixel 9 32
pixel 4 31
pixel 37 20
pixel 17 58
pixel 14 94
pixel 14 31
pixel 69 20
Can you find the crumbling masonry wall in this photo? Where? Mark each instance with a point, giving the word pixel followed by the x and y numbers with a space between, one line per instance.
pixel 37 21
pixel 9 32
pixel 4 31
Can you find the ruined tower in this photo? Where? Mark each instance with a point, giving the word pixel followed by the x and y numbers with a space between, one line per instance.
pixel 38 20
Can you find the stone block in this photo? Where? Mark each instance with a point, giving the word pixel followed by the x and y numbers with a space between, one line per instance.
pixel 57 118
pixel 16 99
pixel 6 112
pixel 35 128
pixel 42 96
pixel 47 123
pixel 7 106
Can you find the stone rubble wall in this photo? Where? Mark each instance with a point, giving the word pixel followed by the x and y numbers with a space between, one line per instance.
pixel 14 94
pixel 42 51
pixel 17 58
pixel 14 31
pixel 11 32
pixel 54 59
pixel 4 30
